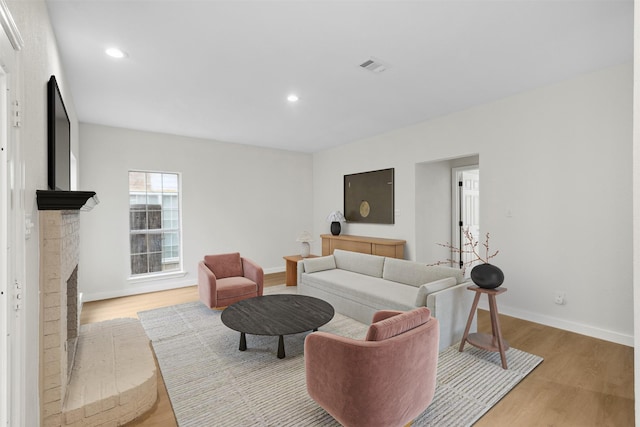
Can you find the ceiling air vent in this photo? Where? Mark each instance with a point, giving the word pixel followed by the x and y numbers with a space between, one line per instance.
pixel 374 65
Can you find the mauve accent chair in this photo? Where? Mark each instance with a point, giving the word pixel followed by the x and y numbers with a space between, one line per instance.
pixel 224 279
pixel 386 380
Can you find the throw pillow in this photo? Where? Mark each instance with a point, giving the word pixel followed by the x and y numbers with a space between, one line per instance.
pixel 416 274
pixel 429 288
pixel 371 265
pixel 311 265
pixel 224 265
pixel 396 325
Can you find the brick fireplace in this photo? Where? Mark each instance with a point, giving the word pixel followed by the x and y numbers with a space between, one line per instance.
pixel 96 375
pixel 59 219
pixel 59 259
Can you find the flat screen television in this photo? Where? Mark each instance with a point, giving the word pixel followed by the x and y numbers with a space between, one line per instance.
pixel 59 139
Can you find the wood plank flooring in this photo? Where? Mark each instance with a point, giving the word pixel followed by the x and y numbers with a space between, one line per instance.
pixel 582 382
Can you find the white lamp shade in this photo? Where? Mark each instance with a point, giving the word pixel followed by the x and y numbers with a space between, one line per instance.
pixel 336 216
pixel 305 236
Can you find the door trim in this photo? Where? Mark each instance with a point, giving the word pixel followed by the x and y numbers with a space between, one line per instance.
pixel 456 206
pixel 5 299
pixel 12 223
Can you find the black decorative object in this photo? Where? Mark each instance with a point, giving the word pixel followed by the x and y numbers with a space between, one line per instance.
pixel 335 228
pixel 487 276
pixel 335 218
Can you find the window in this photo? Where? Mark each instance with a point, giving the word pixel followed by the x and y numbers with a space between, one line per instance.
pixel 154 222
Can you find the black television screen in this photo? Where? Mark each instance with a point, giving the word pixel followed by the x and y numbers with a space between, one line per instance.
pixel 59 139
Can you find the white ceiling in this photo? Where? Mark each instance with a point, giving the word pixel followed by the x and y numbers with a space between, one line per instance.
pixel 222 69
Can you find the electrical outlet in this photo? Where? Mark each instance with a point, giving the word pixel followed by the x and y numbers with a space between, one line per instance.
pixel 560 298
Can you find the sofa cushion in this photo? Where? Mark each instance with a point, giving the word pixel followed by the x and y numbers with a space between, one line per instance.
pixel 371 265
pixel 366 290
pixel 417 274
pixel 235 286
pixel 435 286
pixel 224 265
pixel 396 325
pixel 311 265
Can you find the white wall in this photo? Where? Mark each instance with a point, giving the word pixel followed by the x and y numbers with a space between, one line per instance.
pixel 433 211
pixel 38 59
pixel 234 198
pixel 559 158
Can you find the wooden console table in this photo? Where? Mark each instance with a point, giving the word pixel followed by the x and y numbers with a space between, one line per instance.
pixel 493 342
pixel 393 248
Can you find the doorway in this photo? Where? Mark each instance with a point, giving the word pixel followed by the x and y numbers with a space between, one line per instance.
pixel 465 210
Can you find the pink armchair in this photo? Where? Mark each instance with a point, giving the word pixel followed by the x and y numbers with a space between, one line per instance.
pixel 227 278
pixel 386 380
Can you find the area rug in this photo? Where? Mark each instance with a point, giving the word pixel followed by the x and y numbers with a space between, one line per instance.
pixel 211 383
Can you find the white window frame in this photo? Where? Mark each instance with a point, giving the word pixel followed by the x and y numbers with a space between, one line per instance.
pixel 150 276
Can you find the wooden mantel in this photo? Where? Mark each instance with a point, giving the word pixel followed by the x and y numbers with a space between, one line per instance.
pixel 393 248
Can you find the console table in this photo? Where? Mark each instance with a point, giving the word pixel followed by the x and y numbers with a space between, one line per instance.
pixel 393 248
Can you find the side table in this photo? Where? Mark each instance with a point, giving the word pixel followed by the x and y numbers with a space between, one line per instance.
pixel 493 342
pixel 292 268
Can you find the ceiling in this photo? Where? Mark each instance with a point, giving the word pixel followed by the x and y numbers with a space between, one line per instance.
pixel 222 70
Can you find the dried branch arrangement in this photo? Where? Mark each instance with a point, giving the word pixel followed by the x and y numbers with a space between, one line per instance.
pixel 470 247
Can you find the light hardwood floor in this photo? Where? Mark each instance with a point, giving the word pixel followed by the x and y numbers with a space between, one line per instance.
pixel 582 382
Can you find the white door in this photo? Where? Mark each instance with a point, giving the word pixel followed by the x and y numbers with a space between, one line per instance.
pixel 12 231
pixel 466 211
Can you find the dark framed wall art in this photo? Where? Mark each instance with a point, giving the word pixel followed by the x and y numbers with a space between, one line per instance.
pixel 368 197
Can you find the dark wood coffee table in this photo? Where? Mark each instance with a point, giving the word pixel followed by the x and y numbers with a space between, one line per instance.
pixel 273 315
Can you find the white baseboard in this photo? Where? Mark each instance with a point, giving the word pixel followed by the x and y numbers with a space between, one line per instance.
pixel 153 287
pixel 137 290
pixel 566 325
pixel 274 270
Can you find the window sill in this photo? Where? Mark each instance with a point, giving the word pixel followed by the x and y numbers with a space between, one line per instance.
pixel 154 277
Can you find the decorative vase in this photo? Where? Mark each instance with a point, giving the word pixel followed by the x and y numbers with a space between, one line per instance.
pixel 305 249
pixel 335 228
pixel 487 276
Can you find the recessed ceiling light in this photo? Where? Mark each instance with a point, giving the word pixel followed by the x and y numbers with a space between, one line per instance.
pixel 114 52
pixel 292 98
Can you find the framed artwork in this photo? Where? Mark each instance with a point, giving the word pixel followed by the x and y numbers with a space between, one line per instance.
pixel 368 197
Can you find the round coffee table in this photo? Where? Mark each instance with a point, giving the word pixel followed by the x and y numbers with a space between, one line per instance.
pixel 273 315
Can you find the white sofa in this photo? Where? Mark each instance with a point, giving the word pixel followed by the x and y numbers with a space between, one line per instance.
pixel 358 285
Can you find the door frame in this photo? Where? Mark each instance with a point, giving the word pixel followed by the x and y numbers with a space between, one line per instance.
pixel 5 262
pixel 456 206
pixel 12 231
